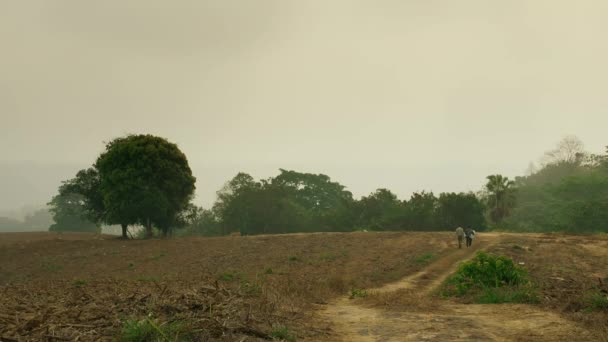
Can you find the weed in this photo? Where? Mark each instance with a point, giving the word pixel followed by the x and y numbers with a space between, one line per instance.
pixel 425 258
pixel 268 271
pixel 149 329
pixel 229 276
pixel 148 279
pixel 50 267
pixel 293 258
pixel 522 294
pixel 251 289
pixel 282 333
pixel 131 265
pixel 597 301
pixel 328 256
pixel 79 282
pixel 358 293
pixel 518 247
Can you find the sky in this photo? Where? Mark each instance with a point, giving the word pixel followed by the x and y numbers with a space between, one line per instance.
pixel 408 95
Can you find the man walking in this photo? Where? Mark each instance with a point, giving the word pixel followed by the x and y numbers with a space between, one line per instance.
pixel 460 236
pixel 470 235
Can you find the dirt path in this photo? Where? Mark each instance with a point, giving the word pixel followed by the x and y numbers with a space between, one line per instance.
pixel 446 321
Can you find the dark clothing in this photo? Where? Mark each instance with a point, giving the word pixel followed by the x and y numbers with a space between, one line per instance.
pixel 469 234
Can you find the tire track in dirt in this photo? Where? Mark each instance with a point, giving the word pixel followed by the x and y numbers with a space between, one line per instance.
pixel 448 321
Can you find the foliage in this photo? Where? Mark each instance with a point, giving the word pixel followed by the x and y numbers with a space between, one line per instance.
pixel 487 272
pixel 381 210
pixel 460 210
pixel 501 196
pixel 597 301
pixel 144 179
pixel 69 212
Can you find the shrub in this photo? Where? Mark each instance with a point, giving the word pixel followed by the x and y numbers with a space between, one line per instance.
pixel 486 270
pixel 492 279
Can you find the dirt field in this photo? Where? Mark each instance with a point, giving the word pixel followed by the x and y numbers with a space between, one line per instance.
pixel 84 287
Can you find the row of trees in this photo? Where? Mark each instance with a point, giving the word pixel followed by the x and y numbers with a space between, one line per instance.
pixel 145 180
pixel 305 202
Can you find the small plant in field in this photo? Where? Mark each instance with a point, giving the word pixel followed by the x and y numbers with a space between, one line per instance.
pixel 268 271
pixel 597 301
pixel 425 258
pixel 131 265
pixel 229 276
pixel 157 257
pixel 148 279
pixel 79 282
pixel 358 293
pixel 493 279
pixel 293 258
pixel 282 333
pixel 50 267
pixel 149 329
pixel 328 256
pixel 251 289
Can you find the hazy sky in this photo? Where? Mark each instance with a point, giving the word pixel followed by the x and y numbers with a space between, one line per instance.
pixel 409 95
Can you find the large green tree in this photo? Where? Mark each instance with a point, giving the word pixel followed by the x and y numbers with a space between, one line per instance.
pixel 380 210
pixel 144 179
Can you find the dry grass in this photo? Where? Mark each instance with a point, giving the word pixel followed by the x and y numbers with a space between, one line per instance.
pixel 81 285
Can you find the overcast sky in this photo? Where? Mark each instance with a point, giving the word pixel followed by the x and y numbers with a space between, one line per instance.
pixel 409 95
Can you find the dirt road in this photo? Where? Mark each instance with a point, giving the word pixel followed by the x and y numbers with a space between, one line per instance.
pixel 445 320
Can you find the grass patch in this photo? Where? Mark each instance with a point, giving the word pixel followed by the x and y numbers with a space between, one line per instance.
pixel 229 276
pixel 282 333
pixel 149 329
pixel 424 258
pixel 293 258
pixel 268 271
pixel 491 279
pixel 358 293
pixel 597 301
pixel 79 283
pixel 522 294
pixel 51 267
pixel 158 256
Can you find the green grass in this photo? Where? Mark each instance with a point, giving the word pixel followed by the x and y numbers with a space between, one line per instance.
pixel 229 276
pixel 79 283
pixel 524 294
pixel 358 293
pixel 424 258
pixel 268 271
pixel 151 330
pixel 251 289
pixel 51 267
pixel 293 258
pixel 597 301
pixel 282 333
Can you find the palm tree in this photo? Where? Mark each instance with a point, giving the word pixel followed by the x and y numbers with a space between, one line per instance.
pixel 501 199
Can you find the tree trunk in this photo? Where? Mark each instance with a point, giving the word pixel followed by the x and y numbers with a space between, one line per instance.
pixel 124 231
pixel 149 229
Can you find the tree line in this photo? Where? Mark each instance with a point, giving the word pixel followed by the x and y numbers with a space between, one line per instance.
pixel 146 181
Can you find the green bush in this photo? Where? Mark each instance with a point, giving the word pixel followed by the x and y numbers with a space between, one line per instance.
pixel 487 270
pixel 358 293
pixel 492 279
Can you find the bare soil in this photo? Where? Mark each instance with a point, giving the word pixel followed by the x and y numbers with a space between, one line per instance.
pixel 84 286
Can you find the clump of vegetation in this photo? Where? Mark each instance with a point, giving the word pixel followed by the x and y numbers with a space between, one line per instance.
pixel 424 258
pixel 282 333
pixel 491 279
pixel 358 293
pixel 79 283
pixel 149 329
pixel 229 276
pixel 293 258
pixel 597 301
